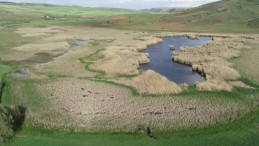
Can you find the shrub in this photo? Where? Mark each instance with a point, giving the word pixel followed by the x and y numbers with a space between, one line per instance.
pixel 6 126
pixel 10 120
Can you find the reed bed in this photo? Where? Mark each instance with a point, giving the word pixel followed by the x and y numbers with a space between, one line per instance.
pixel 125 60
pixel 153 83
pixel 121 61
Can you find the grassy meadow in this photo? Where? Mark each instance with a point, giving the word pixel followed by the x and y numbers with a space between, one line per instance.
pixel 57 75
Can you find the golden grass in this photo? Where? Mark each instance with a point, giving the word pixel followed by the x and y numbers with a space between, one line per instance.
pixel 120 60
pixel 240 84
pixel 125 60
pixel 40 31
pixel 153 83
pixel 192 36
pixel 89 106
pixel 148 42
pixel 189 35
pixel 219 71
pixel 59 46
pixel 214 85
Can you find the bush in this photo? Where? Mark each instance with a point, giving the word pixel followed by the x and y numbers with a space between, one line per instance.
pixel 6 125
pixel 10 120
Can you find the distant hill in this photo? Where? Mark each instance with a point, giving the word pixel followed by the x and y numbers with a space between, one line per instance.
pixel 162 10
pixel 225 11
pixel 28 4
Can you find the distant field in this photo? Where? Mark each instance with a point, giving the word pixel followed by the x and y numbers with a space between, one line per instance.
pixel 224 16
pixel 23 14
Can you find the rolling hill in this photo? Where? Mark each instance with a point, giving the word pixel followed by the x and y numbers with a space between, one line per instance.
pixel 226 16
pixel 222 16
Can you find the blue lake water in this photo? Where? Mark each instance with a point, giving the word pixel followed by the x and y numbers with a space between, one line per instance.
pixel 161 60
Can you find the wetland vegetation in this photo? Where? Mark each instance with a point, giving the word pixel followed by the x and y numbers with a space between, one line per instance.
pixel 81 76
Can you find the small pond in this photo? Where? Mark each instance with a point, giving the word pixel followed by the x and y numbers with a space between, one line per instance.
pixel 161 60
pixel 21 73
pixel 78 42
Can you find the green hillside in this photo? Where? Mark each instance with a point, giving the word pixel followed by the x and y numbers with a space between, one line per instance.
pixel 11 13
pixel 226 16
pixel 226 12
pixel 239 16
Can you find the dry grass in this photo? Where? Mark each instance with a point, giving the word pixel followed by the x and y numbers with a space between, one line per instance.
pixel 240 84
pixel 121 61
pixel 67 64
pixel 148 41
pixel 125 60
pixel 59 46
pixel 89 106
pixel 153 83
pixel 189 35
pixel 219 71
pixel 214 85
pixel 192 36
pixel 40 31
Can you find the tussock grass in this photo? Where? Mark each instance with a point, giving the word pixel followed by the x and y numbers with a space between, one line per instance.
pixel 189 35
pixel 153 83
pixel 120 60
pixel 125 60
pixel 40 31
pixel 215 71
pixel 240 84
pixel 214 85
pixel 59 46
pixel 192 36
pixel 148 42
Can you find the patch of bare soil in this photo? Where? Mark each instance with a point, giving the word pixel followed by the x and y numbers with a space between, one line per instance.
pixel 117 19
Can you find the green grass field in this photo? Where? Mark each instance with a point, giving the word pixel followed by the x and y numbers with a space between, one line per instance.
pixel 227 16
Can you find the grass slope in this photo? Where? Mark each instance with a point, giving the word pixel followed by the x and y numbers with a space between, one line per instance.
pixel 226 16
pixel 243 132
pixel 11 14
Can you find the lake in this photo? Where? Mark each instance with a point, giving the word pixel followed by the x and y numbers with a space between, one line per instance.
pixel 161 60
